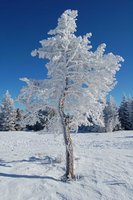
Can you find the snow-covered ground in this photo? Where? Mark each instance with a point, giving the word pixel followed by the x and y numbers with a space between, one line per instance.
pixel 31 165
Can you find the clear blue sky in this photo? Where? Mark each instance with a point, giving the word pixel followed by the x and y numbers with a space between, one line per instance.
pixel 24 23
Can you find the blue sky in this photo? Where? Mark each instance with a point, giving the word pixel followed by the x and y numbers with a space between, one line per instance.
pixel 24 23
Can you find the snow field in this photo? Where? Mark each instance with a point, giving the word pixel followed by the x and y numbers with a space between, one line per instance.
pixel 31 165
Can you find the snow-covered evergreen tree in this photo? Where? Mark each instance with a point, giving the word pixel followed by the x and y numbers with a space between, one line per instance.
pixel 126 113
pixel 123 113
pixel 111 116
pixel 19 118
pixel 7 114
pixel 43 118
pixel 130 112
pixel 78 80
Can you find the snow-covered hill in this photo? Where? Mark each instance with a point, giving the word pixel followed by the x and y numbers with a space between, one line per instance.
pixel 31 165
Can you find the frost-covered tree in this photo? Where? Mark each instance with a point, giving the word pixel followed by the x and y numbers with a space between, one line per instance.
pixel 111 116
pixel 77 84
pixel 7 114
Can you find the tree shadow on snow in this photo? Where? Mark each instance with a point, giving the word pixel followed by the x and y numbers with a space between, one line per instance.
pixel 33 159
pixel 115 182
pixel 3 164
pixel 129 137
pixel 27 176
pixel 126 137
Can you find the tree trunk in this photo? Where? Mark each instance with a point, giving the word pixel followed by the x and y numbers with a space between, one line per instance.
pixel 68 143
pixel 69 156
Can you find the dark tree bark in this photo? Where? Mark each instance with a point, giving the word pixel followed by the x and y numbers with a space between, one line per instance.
pixel 68 141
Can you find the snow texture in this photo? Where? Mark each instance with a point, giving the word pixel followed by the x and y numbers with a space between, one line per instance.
pixel 31 165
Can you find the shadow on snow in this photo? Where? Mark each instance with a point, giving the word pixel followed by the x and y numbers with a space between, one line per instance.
pixel 27 176
pixel 33 159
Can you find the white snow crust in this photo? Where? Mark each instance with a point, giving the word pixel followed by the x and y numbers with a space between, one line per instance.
pixel 31 165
